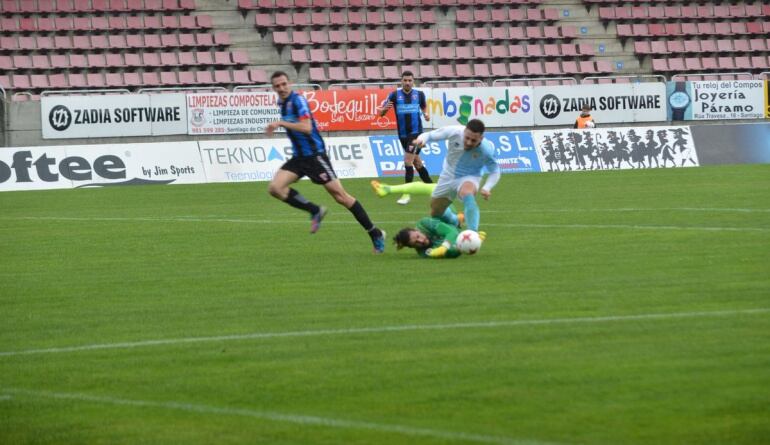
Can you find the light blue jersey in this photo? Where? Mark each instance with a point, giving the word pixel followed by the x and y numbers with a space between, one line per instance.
pixel 459 162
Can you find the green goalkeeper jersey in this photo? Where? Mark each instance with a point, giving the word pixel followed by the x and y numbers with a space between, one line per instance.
pixel 438 232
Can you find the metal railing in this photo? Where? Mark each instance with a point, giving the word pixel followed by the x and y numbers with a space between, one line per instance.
pixel 179 89
pixel 269 87
pixel 525 81
pixel 764 75
pixel 478 82
pixel 717 76
pixel 2 91
pixel 631 78
pixel 363 85
pixel 86 91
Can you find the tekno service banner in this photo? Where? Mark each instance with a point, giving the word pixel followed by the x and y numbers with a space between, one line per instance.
pixel 495 106
pixel 610 103
pixel 100 116
pixel 259 159
pixel 727 99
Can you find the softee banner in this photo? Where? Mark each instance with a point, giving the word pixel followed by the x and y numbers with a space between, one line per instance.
pixel 55 167
pixel 610 103
pixel 495 106
pixel 97 116
pixel 716 100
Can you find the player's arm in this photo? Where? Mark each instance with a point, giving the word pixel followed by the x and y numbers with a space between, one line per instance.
pixel 304 122
pixel 424 106
pixel 442 230
pixel 438 134
pixel 494 175
pixel 303 126
pixel 387 105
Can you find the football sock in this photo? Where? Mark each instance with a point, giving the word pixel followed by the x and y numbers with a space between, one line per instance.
pixel 413 188
pixel 449 217
pixel 296 200
pixel 409 176
pixel 471 212
pixel 362 217
pixel 424 175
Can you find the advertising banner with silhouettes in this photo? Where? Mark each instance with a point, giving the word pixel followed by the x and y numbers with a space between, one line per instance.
pixel 100 116
pixel 610 103
pixel 615 148
pixel 495 106
pixel 38 168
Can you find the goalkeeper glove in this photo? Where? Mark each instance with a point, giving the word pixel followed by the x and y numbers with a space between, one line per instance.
pixel 438 252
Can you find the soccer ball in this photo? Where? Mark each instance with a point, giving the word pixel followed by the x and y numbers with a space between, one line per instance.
pixel 590 124
pixel 468 242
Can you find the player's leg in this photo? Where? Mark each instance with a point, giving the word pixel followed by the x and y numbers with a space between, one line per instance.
pixel 409 155
pixel 440 204
pixel 280 189
pixel 338 192
pixel 421 169
pixel 414 188
pixel 467 194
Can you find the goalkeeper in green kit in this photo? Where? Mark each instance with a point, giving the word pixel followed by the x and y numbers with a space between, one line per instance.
pixel 432 238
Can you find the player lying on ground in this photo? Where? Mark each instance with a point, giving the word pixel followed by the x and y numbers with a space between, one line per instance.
pixel 432 238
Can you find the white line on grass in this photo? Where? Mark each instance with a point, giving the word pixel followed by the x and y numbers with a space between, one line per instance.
pixel 282 417
pixel 383 329
pixel 305 221
pixel 5 397
pixel 633 209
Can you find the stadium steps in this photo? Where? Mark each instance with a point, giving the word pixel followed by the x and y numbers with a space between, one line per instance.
pixel 260 49
pixel 596 34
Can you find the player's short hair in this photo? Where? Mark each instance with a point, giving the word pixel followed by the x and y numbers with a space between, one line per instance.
pixel 586 107
pixel 476 126
pixel 402 238
pixel 278 74
pixel 407 73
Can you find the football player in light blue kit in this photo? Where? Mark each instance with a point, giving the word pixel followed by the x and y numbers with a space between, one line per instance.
pixel 468 154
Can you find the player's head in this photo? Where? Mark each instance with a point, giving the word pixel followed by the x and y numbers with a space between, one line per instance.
pixel 409 237
pixel 585 111
pixel 474 133
pixel 407 80
pixel 281 85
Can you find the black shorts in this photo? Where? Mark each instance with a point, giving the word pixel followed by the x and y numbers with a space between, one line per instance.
pixel 408 140
pixel 318 168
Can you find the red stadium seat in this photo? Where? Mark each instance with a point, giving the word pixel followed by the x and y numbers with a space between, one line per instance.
pixel 204 78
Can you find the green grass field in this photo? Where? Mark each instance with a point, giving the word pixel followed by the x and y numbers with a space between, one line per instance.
pixel 622 307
